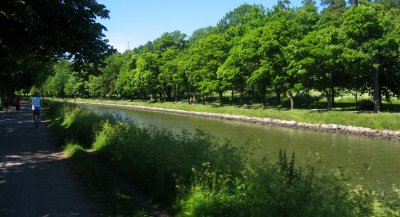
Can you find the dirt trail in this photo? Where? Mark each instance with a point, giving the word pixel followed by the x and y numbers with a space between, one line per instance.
pixel 34 177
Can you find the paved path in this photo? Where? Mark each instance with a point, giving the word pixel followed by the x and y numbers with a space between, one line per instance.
pixel 34 177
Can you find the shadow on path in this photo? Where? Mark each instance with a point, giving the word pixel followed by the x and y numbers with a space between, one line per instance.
pixel 34 177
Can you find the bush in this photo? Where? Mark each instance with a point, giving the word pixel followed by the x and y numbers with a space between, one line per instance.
pixel 273 190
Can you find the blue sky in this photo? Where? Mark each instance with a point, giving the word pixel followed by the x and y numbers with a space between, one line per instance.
pixel 134 22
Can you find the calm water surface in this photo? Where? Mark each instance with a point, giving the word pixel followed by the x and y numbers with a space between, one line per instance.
pixel 374 163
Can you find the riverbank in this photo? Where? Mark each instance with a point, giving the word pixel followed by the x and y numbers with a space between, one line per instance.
pixel 191 175
pixel 321 127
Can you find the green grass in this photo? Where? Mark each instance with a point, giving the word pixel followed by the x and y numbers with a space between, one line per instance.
pixel 379 121
pixel 66 125
pixel 113 199
pixel 192 176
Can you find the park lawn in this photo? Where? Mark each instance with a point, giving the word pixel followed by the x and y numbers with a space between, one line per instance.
pixel 379 121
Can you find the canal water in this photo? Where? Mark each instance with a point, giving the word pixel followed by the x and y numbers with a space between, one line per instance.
pixel 374 163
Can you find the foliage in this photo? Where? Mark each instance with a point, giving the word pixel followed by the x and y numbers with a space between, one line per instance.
pixel 205 57
pixel 55 85
pixel 279 189
pixel 49 30
pixel 261 54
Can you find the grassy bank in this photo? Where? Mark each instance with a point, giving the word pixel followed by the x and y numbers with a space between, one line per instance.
pixel 191 176
pixel 74 132
pixel 380 121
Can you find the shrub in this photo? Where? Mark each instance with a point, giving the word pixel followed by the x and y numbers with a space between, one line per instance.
pixel 272 190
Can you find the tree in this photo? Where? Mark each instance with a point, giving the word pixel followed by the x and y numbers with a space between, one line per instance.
pixel 168 46
pixel 283 4
pixel 108 75
pixel 308 2
pixel 333 5
pixel 49 30
pixel 125 82
pixel 370 36
pixel 284 27
pixel 54 85
pixel 200 33
pixel 317 62
pixel 204 59
pixel 241 16
pixel 243 59
pixel 146 74
pixel 75 86
pixel 389 3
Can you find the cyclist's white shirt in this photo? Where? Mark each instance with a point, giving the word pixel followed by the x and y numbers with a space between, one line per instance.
pixel 36 103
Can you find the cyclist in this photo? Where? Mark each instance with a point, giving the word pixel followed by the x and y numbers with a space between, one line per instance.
pixel 36 107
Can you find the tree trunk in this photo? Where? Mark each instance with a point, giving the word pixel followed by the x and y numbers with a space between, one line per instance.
pixel 263 101
pixel 278 95
pixel 333 93
pixel 176 92
pixel 241 97
pixel 232 97
pixel 291 100
pixel 263 95
pixel 220 97
pixel 377 90
pixel 168 92
pixel 329 99
pixel 1 98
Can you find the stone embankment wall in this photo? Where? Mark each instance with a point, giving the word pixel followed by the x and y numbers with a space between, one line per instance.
pixel 329 128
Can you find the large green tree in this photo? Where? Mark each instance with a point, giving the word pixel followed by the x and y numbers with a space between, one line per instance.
pixel 204 58
pixel 168 47
pixel 103 85
pixel 125 83
pixel 370 38
pixel 36 32
pixel 55 84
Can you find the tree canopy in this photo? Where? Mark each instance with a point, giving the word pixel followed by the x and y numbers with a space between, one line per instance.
pixel 259 53
pixel 36 33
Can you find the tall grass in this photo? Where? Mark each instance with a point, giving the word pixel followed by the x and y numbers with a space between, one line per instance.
pixel 157 161
pixel 112 198
pixel 73 124
pixel 193 176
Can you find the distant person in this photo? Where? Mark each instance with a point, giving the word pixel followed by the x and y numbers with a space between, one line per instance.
pixel 17 103
pixel 6 104
pixel 36 106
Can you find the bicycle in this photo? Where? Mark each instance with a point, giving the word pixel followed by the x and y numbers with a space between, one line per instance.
pixel 36 120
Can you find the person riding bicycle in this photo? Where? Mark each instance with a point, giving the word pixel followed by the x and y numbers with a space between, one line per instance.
pixel 36 107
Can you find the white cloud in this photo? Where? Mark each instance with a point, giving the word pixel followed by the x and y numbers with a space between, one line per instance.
pixel 119 41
